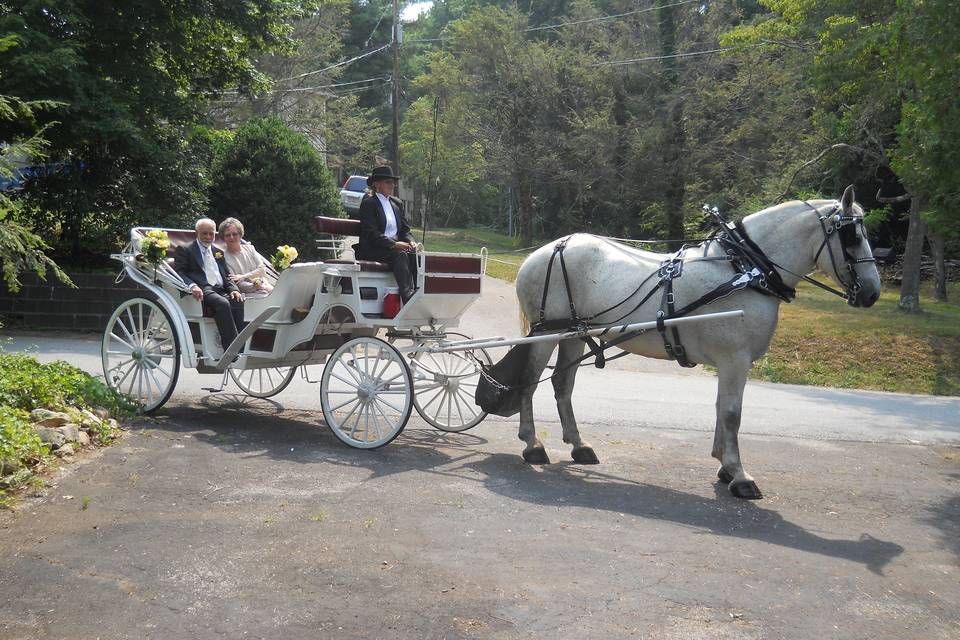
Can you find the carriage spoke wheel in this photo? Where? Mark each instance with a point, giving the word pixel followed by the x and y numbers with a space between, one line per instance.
pixel 445 385
pixel 366 393
pixel 141 353
pixel 265 382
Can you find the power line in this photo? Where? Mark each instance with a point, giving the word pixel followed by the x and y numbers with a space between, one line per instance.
pixel 689 54
pixel 324 86
pixel 366 42
pixel 339 64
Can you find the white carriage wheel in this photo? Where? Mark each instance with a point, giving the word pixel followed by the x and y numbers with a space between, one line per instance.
pixel 445 386
pixel 141 353
pixel 265 382
pixel 366 393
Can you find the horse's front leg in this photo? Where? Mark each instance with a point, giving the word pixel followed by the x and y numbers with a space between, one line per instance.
pixel 563 380
pixel 534 452
pixel 731 379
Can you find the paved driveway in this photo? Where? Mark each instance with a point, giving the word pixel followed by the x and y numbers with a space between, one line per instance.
pixel 231 517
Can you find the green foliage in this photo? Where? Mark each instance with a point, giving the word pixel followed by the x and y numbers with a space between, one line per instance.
pixel 275 182
pixel 27 384
pixel 21 249
pixel 20 445
pixel 131 80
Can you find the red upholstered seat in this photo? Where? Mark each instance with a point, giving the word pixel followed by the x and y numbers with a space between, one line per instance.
pixel 346 227
pixel 454 264
pixel 337 226
pixel 181 237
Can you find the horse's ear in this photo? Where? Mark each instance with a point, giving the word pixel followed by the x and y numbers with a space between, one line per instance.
pixel 846 201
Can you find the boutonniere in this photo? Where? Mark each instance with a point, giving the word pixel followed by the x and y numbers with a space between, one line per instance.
pixel 217 254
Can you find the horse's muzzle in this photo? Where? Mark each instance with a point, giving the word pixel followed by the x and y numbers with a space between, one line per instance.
pixel 865 300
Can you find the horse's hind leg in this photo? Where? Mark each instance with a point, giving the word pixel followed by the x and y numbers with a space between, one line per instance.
pixel 731 379
pixel 563 380
pixel 534 453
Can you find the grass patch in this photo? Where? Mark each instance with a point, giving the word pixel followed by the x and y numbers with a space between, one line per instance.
pixel 504 260
pixel 821 341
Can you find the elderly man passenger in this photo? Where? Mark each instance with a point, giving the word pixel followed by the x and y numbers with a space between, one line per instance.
pixel 247 270
pixel 203 268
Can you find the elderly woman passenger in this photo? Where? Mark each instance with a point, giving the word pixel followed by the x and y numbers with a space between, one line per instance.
pixel 247 270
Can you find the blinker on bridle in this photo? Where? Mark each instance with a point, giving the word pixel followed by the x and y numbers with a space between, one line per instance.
pixel 848 230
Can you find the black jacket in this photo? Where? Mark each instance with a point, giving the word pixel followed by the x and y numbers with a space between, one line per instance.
pixel 373 244
pixel 188 262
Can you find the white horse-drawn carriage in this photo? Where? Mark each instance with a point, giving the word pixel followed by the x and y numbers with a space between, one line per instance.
pixel 319 313
pixel 331 313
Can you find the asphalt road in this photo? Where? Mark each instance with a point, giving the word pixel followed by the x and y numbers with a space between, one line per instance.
pixel 227 516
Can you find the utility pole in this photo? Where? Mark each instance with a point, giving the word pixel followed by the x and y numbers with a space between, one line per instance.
pixel 396 87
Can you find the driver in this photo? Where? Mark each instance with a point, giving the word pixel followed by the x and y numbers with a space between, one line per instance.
pixel 384 232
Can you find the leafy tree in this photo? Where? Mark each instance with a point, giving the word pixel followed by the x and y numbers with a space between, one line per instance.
pixel 882 71
pixel 20 248
pixel 275 182
pixel 132 79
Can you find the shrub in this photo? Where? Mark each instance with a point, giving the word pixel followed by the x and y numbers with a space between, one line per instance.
pixel 19 443
pixel 26 384
pixel 275 182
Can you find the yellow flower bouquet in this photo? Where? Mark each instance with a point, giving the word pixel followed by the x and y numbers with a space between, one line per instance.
pixel 153 247
pixel 284 257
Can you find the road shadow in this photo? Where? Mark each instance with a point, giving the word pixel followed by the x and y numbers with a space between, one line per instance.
pixel 249 427
pixel 263 428
pixel 566 484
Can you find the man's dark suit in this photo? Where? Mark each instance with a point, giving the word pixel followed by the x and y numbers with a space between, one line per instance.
pixel 374 245
pixel 228 313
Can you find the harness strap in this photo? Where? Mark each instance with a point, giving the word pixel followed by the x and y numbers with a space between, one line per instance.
pixel 770 283
pixel 670 269
pixel 595 350
pixel 542 324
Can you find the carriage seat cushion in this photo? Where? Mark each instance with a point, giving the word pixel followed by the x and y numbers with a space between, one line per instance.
pixel 182 237
pixel 337 226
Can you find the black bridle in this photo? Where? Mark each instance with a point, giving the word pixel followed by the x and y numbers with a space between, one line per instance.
pixel 851 231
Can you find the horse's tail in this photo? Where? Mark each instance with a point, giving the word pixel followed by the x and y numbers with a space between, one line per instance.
pixel 524 323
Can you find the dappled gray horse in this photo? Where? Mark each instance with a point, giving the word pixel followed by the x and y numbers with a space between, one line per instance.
pixel 606 281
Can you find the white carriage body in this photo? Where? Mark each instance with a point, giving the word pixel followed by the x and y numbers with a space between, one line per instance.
pixel 314 307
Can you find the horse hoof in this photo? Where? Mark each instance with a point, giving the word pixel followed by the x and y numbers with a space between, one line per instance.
pixel 746 489
pixel 724 475
pixel 536 455
pixel 585 455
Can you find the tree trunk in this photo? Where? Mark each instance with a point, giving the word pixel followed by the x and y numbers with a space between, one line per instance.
pixel 675 191
pixel 939 266
pixel 674 139
pixel 910 285
pixel 525 213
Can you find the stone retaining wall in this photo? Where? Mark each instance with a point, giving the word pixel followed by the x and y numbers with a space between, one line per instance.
pixel 51 305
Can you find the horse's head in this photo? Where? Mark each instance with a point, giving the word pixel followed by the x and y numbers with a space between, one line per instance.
pixel 845 254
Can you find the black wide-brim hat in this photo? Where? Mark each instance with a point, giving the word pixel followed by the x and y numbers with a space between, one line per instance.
pixel 381 173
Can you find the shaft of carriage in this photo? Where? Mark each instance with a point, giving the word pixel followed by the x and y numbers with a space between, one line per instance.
pixel 612 331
